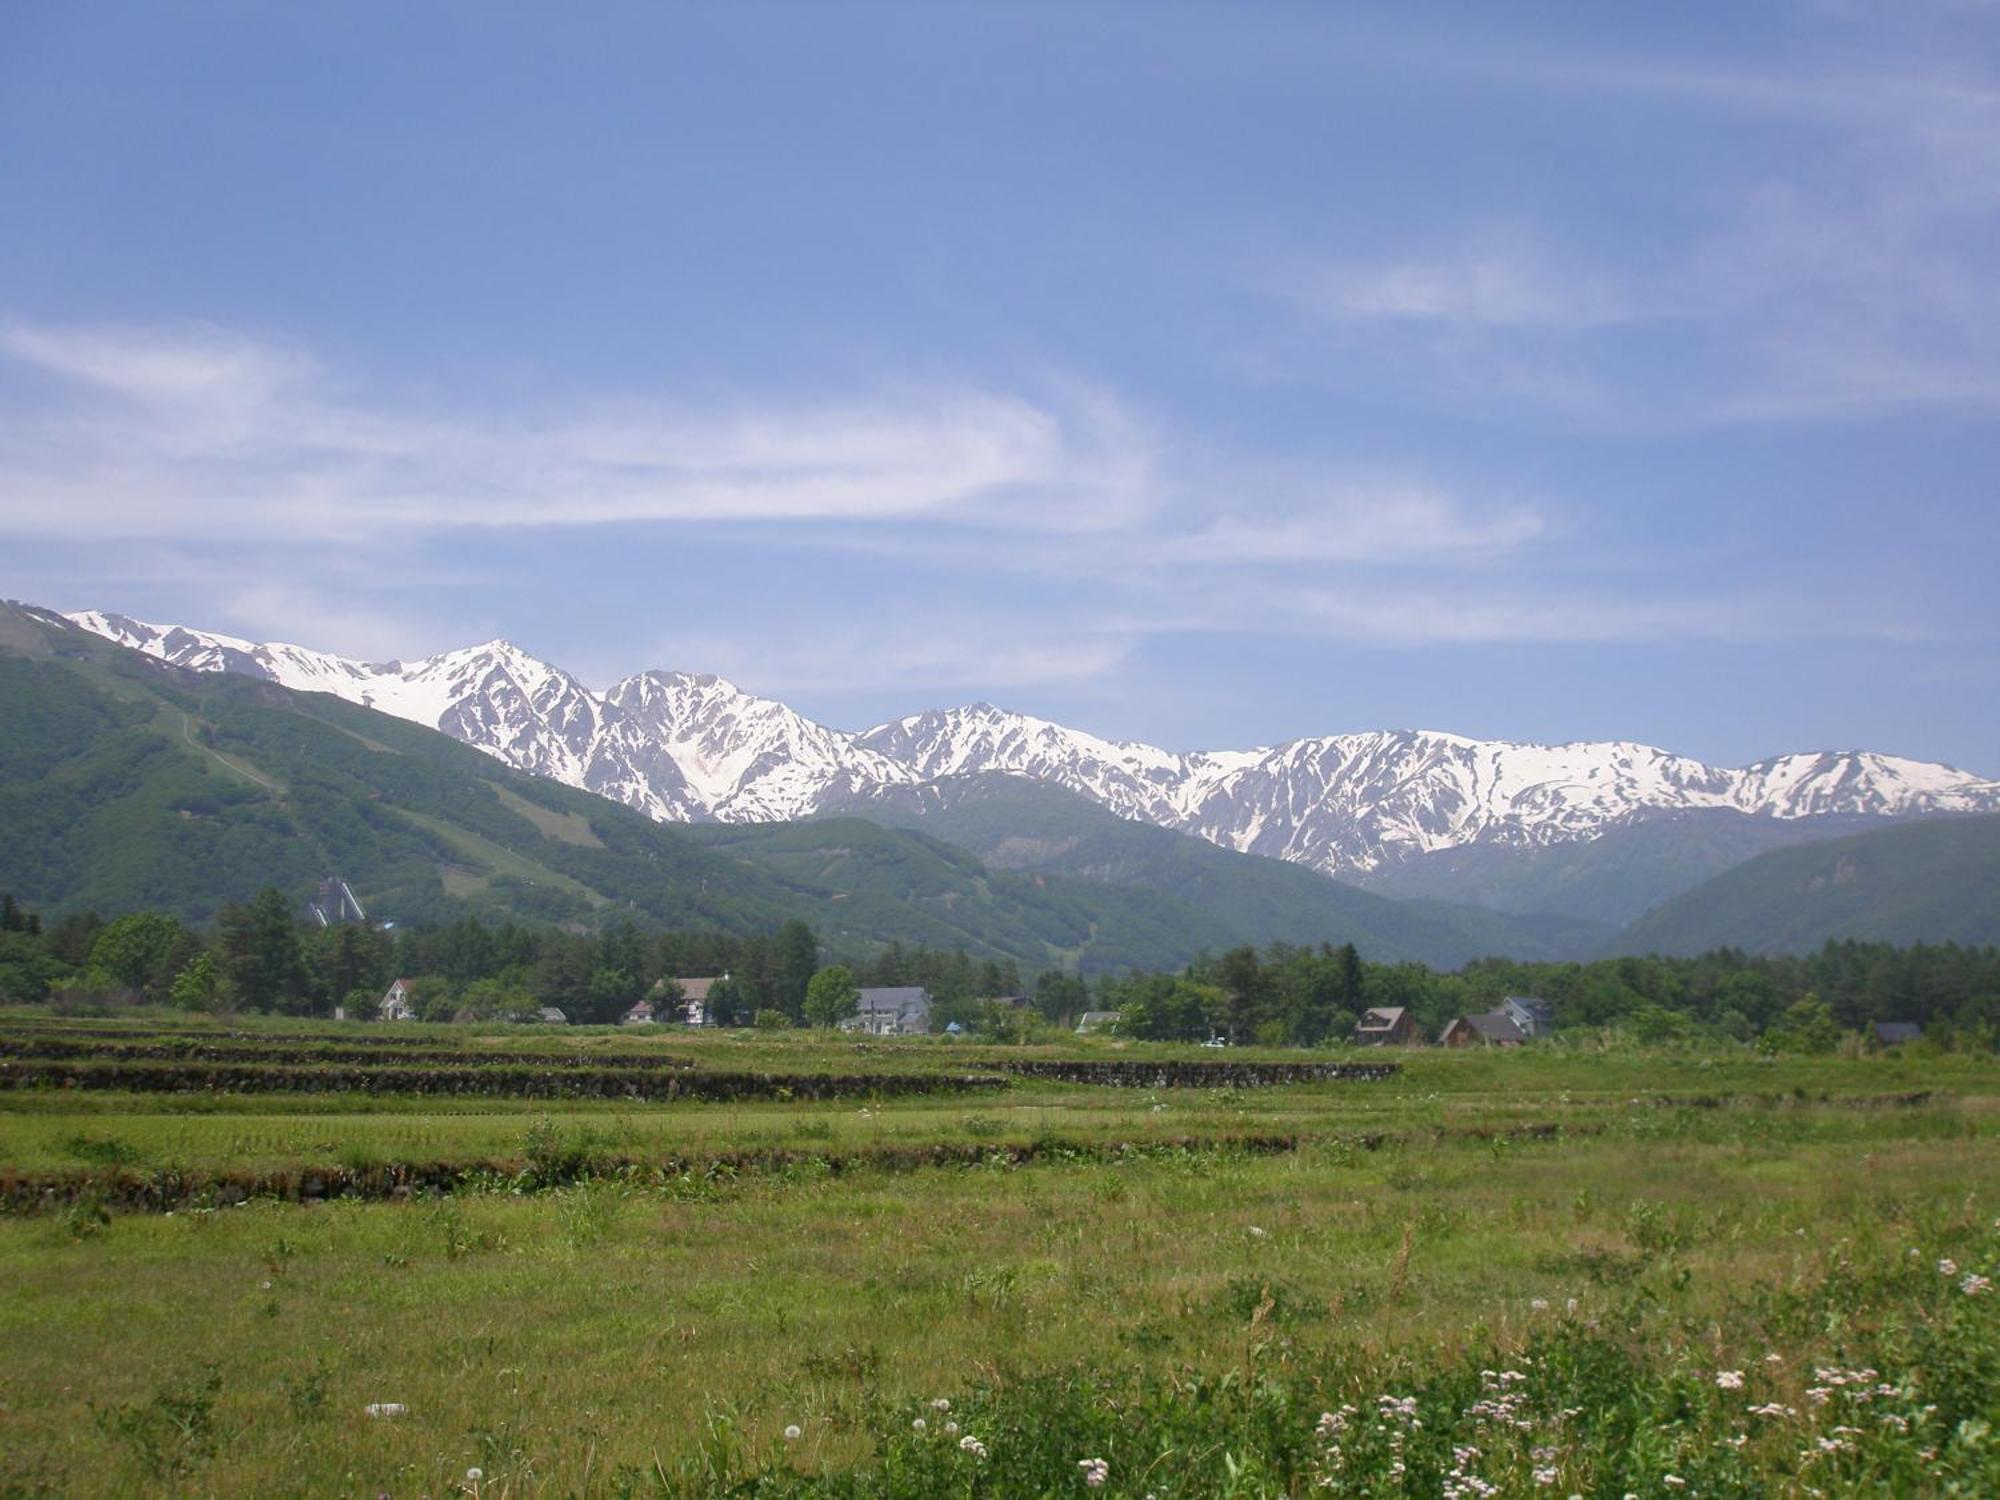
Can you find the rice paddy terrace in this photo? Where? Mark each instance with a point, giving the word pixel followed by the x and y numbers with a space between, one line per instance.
pixel 293 1258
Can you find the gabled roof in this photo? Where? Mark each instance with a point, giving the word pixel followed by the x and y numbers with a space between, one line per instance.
pixel 691 989
pixel 1494 1026
pixel 1381 1018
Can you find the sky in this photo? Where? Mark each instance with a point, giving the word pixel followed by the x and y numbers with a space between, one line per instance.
pixel 1208 375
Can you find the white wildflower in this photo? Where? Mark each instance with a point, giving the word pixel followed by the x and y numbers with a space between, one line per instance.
pixel 473 1476
pixel 1545 1476
pixel 972 1445
pixel 1947 1268
pixel 1729 1380
pixel 792 1433
pixel 1095 1472
pixel 1975 1286
pixel 940 1404
pixel 918 1425
pixel 1673 1481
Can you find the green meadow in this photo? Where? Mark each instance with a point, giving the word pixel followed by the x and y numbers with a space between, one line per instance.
pixel 1284 1290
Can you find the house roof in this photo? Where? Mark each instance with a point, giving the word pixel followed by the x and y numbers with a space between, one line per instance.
pixel 550 1013
pixel 1381 1018
pixel 1494 1026
pixel 1898 1031
pixel 899 997
pixel 692 989
pixel 1096 1017
pixel 406 983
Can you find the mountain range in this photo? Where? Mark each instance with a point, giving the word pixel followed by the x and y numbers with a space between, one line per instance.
pixel 1375 806
pixel 129 779
pixel 130 783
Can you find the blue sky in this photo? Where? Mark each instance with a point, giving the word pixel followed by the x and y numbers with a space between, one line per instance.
pixel 1209 375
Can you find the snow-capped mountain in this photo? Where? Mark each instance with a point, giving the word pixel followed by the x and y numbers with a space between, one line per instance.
pixel 689 747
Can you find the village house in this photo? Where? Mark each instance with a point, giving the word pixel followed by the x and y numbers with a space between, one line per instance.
pixel 399 1002
pixel 1895 1033
pixel 548 1015
pixel 1494 1029
pixel 692 1008
pixel 1386 1026
pixel 640 1014
pixel 894 1010
pixel 1534 1016
pixel 1096 1020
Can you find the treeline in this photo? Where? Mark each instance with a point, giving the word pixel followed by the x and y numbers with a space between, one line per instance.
pixel 1304 996
pixel 262 957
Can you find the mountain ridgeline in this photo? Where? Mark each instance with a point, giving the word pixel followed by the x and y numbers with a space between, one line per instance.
pixel 193 767
pixel 127 783
pixel 687 747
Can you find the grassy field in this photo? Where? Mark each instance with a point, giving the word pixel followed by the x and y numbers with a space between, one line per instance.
pixel 1668 1268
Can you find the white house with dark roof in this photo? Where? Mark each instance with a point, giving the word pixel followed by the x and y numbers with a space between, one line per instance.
pixel 892 1010
pixel 398 1002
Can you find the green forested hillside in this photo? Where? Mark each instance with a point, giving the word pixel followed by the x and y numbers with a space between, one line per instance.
pixel 1015 824
pixel 1930 882
pixel 125 784
pixel 942 896
pixel 1614 878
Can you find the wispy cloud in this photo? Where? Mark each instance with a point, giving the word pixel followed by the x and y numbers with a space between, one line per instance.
pixel 1859 280
pixel 174 432
pixel 1383 521
pixel 1502 278
pixel 295 496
